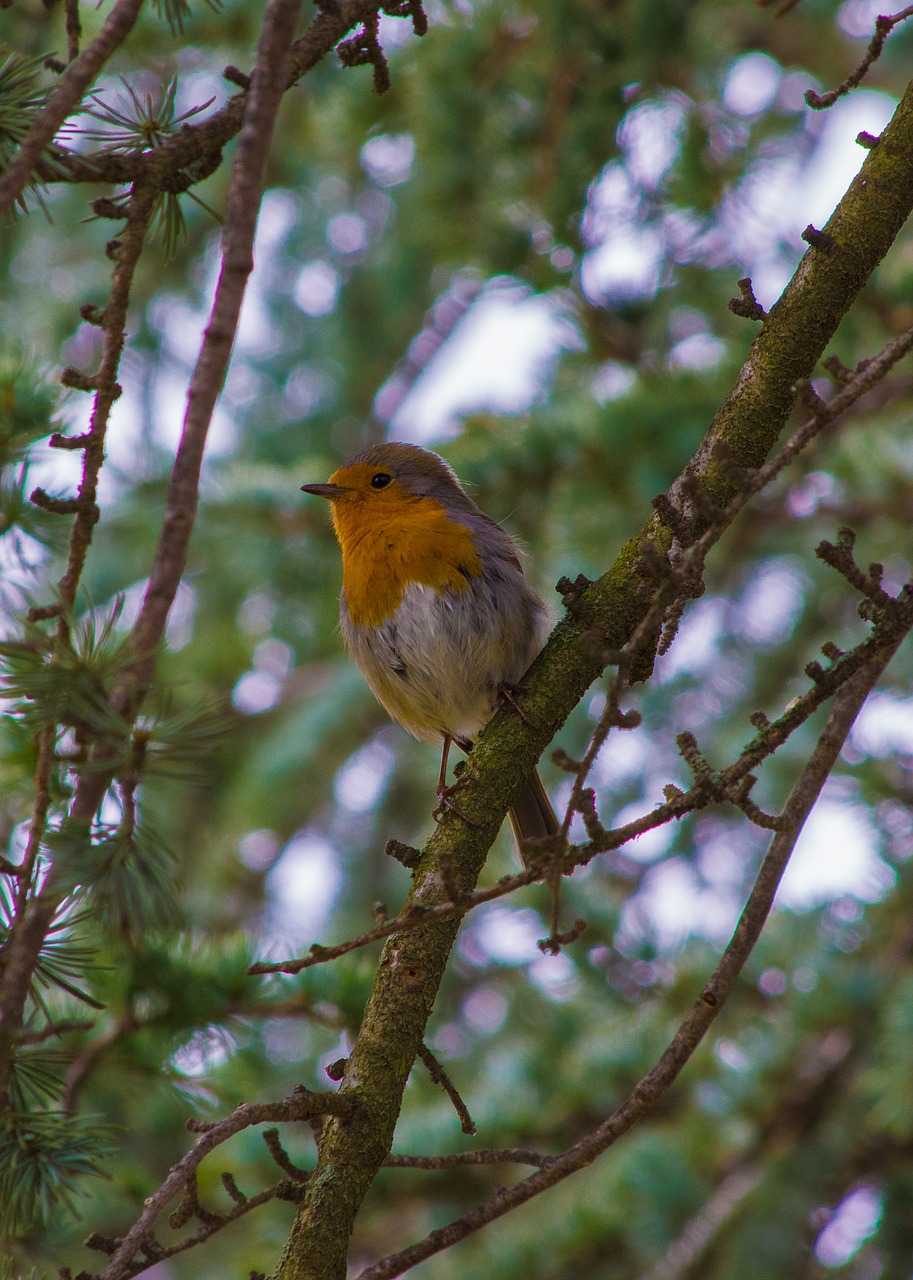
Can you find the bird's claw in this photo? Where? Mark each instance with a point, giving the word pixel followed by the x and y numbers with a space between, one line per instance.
pixel 508 693
pixel 446 805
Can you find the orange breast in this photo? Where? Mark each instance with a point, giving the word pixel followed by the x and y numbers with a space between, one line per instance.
pixel 387 545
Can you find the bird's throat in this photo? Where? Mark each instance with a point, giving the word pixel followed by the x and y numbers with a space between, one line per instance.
pixel 388 545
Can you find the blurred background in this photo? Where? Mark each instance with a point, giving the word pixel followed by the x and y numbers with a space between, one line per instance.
pixel 520 256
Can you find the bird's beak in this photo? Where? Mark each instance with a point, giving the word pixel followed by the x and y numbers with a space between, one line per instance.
pixel 324 490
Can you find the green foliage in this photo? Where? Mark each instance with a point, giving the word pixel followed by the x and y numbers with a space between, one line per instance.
pixel 20 100
pixel 125 872
pixel 27 406
pixel 65 957
pixel 142 124
pixel 43 1158
pixel 67 682
pixel 36 1078
pixel 176 12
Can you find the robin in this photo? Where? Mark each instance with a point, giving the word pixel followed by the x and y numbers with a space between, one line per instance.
pixel 435 608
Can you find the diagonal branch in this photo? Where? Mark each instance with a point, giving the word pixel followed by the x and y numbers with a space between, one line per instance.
pixel 73 84
pixel 193 152
pixel 648 1091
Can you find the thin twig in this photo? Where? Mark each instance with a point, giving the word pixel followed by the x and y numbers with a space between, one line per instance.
pixel 688 561
pixel 74 28
pixel 692 1030
pixel 139 213
pixel 73 84
pixel 884 25
pixel 39 818
pixel 439 1076
pixel 54 1029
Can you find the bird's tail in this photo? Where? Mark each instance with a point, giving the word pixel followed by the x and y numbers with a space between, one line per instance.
pixel 531 813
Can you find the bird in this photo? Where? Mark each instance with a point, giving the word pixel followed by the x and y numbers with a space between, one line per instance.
pixel 435 607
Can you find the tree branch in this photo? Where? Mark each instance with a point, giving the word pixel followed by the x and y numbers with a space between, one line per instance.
pixel 299 1105
pixel 73 84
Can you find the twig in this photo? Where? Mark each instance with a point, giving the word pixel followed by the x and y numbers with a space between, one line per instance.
pixel 818 1075
pixel 884 25
pixel 688 1246
pixel 242 204
pixel 746 305
pixel 74 28
pixel 439 1076
pixel 300 1105
pixel 39 816
pixel 139 212
pixel 73 84
pixel 54 1029
pixel 692 1030
pixel 686 566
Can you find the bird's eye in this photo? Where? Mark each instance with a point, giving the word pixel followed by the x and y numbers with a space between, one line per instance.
pixel 381 480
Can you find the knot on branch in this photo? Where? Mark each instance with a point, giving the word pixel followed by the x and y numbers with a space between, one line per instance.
pixel 840 557
pixel 746 305
pixel 682 528
pixel 818 239
pixel 403 853
pixel 692 587
pixel 867 140
pixel 190 1207
pixel 809 399
pixel 92 314
pixel 838 370
pixel 101 1243
pixel 290 1192
pixel 566 762
pixel 572 592
pixel 106 207
pixel 77 381
pixel 708 780
pixel 555 941
pixel 234 76
pixel 585 805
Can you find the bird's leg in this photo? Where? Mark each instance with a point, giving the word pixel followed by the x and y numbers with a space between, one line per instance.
pixel 445 794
